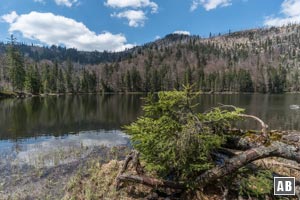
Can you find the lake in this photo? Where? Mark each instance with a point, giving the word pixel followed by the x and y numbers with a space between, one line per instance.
pixel 31 128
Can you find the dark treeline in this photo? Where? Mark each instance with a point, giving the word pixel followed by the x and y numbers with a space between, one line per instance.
pixel 20 76
pixel 59 54
pixel 261 60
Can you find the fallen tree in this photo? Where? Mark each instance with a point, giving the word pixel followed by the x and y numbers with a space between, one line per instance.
pixel 177 148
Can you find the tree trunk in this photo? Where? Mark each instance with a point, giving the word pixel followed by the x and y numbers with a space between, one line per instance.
pixel 276 149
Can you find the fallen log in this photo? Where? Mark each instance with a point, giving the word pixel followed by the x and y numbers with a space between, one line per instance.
pixel 276 149
pixel 252 140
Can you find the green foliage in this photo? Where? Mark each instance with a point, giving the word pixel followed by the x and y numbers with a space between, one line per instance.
pixel 46 79
pixel 254 61
pixel 16 66
pixel 88 82
pixel 32 80
pixel 257 185
pixel 69 76
pixel 174 140
pixel 61 82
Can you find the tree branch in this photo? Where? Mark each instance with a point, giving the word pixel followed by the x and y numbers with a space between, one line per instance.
pixel 132 156
pixel 263 125
pixel 151 182
pixel 277 149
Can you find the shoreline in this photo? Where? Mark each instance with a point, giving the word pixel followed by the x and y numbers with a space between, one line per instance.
pixel 12 95
pixel 30 182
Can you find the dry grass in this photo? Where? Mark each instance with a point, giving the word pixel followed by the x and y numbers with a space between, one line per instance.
pixel 99 183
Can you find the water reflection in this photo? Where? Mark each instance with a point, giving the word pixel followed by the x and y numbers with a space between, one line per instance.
pixel 273 109
pixel 57 116
pixel 33 117
pixel 49 120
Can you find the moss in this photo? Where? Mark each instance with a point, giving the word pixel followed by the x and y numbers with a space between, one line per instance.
pixel 275 136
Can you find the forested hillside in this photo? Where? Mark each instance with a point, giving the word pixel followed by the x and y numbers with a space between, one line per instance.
pixel 258 60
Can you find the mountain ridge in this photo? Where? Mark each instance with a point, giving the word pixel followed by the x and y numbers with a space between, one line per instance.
pixel 254 60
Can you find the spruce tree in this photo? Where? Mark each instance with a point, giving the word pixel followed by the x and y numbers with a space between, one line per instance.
pixel 46 78
pixel 174 139
pixel 69 79
pixel 61 82
pixel 32 80
pixel 16 66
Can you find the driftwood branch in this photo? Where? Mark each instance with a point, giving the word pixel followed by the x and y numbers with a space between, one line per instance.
pixel 151 182
pixel 250 141
pixel 134 157
pixel 277 149
pixel 262 123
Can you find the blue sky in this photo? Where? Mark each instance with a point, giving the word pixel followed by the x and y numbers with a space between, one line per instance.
pixel 118 24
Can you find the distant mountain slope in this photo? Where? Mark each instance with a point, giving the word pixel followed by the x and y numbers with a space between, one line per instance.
pixel 61 54
pixel 257 60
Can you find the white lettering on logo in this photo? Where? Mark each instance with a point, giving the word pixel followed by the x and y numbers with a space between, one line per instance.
pixel 280 186
pixel 288 186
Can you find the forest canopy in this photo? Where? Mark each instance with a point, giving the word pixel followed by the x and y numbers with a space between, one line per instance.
pixel 260 60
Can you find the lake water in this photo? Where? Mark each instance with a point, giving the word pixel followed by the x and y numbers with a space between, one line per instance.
pixel 31 128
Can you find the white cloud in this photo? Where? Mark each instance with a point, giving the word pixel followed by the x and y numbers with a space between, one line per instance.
pixel 40 1
pixel 133 10
pixel 68 3
pixel 194 5
pixel 182 32
pixel 58 30
pixel 291 11
pixel 135 17
pixel 291 8
pixel 132 4
pixel 157 37
pixel 10 18
pixel 281 21
pixel 209 4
